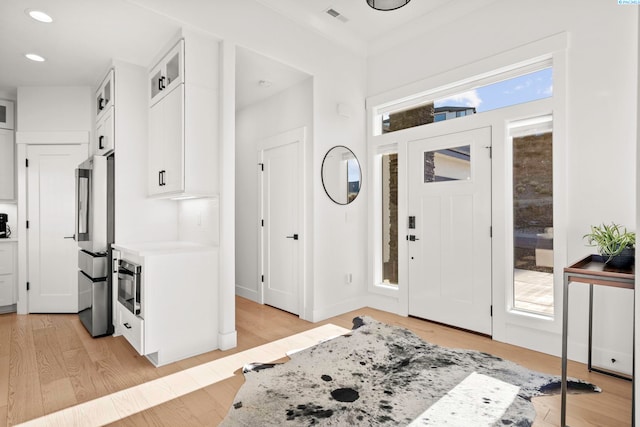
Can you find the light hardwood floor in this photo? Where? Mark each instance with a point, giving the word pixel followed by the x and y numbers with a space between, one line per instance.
pixel 49 362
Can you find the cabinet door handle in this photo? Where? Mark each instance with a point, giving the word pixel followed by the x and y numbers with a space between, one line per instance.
pixel 100 142
pixel 101 103
pixel 126 325
pixel 159 83
pixel 163 85
pixel 159 178
pixel 294 237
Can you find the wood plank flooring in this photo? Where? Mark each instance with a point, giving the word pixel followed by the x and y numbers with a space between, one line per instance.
pixel 49 362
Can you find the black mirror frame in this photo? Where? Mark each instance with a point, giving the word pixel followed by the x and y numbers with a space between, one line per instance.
pixel 322 175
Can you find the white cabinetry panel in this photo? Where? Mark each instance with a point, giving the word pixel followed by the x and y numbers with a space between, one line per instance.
pixel 179 300
pixel 8 291
pixel 105 133
pixel 7 164
pixel 183 119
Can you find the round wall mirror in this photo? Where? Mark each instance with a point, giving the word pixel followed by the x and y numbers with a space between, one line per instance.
pixel 341 175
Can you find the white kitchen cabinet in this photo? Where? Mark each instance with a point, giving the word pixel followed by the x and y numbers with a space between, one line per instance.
pixel 178 304
pixel 167 74
pixel 6 114
pixel 105 95
pixel 8 268
pixel 166 144
pixel 7 165
pixel 105 132
pixel 183 119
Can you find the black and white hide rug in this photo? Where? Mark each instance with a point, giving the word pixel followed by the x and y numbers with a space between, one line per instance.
pixel 382 375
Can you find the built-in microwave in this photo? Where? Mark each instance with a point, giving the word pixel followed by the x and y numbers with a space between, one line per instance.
pixel 129 286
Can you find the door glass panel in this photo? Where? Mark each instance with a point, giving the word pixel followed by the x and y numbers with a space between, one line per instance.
pixel 533 223
pixel 3 114
pixel 155 84
pixel 390 219
pixel 450 164
pixel 173 68
pixel 83 205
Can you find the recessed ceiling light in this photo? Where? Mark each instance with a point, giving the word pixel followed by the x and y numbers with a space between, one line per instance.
pixel 39 15
pixel 34 57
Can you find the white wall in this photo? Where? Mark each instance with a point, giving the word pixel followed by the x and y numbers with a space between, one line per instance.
pixel 601 131
pixel 339 77
pixel 285 111
pixel 637 294
pixel 52 109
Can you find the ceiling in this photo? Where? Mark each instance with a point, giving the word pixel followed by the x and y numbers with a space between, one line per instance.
pixel 87 34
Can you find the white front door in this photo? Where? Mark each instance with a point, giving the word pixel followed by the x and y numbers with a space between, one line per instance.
pixel 53 252
pixel 282 214
pixel 449 180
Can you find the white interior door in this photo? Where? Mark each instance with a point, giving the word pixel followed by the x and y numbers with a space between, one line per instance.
pixel 53 253
pixel 450 243
pixel 282 212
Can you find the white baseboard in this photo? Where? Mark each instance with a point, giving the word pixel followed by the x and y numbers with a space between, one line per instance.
pixel 337 309
pixel 247 293
pixel 228 340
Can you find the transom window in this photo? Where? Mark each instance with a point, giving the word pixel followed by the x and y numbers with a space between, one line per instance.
pixel 471 99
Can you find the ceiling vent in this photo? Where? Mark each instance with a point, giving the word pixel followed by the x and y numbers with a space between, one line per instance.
pixel 335 14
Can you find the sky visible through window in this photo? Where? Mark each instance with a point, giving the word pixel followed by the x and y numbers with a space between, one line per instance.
pixel 517 90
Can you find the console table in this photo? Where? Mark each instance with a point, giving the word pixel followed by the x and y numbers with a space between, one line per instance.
pixel 594 271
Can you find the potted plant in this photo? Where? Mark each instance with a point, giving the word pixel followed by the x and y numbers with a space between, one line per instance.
pixel 615 244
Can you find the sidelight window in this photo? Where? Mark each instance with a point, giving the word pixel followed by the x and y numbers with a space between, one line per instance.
pixel 532 191
pixel 389 163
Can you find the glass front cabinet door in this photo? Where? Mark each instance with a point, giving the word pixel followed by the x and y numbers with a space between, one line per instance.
pixel 104 95
pixel 6 114
pixel 167 74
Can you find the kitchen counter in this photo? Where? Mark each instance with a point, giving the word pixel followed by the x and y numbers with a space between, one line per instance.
pixel 150 248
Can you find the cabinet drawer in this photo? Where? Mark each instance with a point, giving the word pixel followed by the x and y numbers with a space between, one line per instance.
pixel 132 327
pixel 7 290
pixel 6 259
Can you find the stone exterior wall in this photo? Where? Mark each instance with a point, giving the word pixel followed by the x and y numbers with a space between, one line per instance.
pixel 421 115
pixel 532 196
pixel 390 266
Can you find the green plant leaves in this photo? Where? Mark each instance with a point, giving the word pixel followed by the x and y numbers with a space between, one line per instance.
pixel 611 239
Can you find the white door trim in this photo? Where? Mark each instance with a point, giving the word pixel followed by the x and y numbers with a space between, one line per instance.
pixel 298 136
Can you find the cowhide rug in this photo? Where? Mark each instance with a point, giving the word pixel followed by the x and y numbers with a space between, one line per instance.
pixel 382 375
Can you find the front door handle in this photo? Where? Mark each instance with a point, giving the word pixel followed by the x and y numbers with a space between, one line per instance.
pixel 70 237
pixel 294 237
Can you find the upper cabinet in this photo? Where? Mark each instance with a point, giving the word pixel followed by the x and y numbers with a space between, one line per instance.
pixel 105 133
pixel 183 119
pixel 105 98
pixel 167 74
pixel 7 162
pixel 6 114
pixel 105 113
pixel 7 151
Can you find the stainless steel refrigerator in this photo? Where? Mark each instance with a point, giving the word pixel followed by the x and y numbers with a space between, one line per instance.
pixel 95 234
